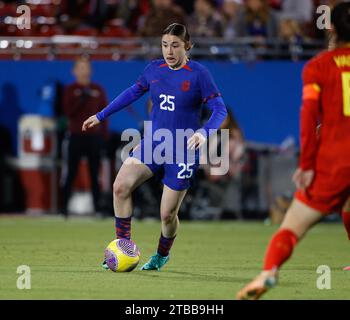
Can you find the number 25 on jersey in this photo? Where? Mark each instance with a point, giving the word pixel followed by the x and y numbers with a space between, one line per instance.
pixel 167 102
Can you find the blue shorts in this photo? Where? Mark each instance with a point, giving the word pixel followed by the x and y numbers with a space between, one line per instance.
pixel 177 175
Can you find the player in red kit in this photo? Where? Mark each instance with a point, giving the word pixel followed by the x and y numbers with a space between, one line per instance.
pixel 323 176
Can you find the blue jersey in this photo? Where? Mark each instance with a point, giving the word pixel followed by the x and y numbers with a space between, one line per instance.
pixel 177 95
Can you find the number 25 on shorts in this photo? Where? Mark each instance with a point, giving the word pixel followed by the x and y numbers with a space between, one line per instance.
pixel 186 172
pixel 346 92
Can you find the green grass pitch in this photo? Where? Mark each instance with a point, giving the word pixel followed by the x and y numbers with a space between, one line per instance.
pixel 209 260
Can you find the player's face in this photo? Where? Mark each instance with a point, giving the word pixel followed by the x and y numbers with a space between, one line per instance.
pixel 173 49
pixel 82 71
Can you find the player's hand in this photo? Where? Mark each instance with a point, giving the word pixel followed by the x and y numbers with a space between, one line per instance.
pixel 303 178
pixel 90 123
pixel 196 141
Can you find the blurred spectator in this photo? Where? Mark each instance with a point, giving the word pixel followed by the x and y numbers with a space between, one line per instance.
pixel 223 191
pixel 330 3
pixel 72 14
pixel 230 12
pixel 80 14
pixel 9 118
pixel 291 36
pixel 206 20
pixel 290 31
pixel 233 149
pixel 298 10
pixel 257 20
pixel 14 1
pixel 275 4
pixel 82 99
pixel 130 11
pixel 186 5
pixel 162 14
pixel 97 15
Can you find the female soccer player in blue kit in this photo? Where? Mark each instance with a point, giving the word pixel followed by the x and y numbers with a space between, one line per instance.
pixel 178 88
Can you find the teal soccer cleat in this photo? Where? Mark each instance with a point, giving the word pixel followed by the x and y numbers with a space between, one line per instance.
pixel 156 262
pixel 104 265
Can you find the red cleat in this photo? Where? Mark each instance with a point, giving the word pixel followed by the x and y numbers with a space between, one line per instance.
pixel 260 285
pixel 347 268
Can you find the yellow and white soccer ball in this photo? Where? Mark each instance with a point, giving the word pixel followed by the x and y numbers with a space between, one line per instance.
pixel 122 255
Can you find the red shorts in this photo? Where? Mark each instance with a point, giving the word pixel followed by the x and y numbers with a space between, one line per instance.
pixel 328 192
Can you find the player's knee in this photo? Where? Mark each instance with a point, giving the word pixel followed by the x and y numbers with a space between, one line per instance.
pixel 168 216
pixel 121 190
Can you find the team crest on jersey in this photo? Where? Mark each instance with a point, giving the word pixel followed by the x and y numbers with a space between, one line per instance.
pixel 185 85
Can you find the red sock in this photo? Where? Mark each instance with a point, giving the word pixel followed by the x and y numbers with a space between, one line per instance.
pixel 122 228
pixel 280 249
pixel 165 245
pixel 346 221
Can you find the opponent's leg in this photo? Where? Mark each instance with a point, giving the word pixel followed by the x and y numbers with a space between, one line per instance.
pixel 346 222
pixel 299 219
pixel 346 217
pixel 169 208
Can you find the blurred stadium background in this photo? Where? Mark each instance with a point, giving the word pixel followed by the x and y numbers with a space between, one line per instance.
pixel 255 49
